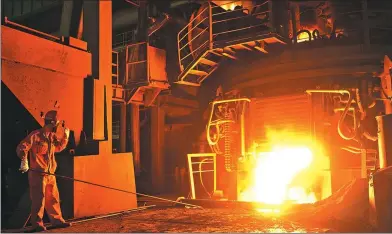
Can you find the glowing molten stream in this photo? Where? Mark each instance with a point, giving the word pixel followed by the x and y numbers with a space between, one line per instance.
pixel 274 175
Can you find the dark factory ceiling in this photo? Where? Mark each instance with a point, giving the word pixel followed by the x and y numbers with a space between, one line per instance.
pixel 45 15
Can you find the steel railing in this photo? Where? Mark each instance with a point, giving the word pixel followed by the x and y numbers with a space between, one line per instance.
pixel 204 158
pixel 115 77
pixel 122 39
pixel 213 25
pixel 31 30
pixel 116 130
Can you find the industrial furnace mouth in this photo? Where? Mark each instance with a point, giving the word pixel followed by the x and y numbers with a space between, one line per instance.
pixel 273 171
pixel 285 176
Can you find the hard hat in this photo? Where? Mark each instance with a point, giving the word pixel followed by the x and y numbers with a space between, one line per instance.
pixel 51 117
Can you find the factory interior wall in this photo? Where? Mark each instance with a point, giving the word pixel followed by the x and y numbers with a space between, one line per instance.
pixel 41 72
pixel 37 73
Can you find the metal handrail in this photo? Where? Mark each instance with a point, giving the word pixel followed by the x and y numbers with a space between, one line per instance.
pixel 192 172
pixel 190 22
pixel 240 29
pixel 178 36
pixel 240 17
pixel 203 31
pixel 7 21
pixel 125 40
pixel 181 45
pixel 194 27
pixel 194 50
pixel 115 64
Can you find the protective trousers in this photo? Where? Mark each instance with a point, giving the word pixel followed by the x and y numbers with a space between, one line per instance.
pixel 44 195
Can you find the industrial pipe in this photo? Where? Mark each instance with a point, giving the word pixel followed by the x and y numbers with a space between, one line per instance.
pixel 369 136
pixel 210 122
pixel 346 109
pixel 384 123
pixel 126 17
pixel 351 150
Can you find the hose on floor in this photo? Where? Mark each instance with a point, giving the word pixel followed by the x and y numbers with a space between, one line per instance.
pixel 116 189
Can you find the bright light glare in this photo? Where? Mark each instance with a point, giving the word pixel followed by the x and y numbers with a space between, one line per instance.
pixel 274 173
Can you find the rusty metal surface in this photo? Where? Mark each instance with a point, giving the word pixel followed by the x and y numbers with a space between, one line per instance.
pixel 193 220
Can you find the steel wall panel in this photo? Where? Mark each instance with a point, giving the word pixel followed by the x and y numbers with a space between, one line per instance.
pixel 290 113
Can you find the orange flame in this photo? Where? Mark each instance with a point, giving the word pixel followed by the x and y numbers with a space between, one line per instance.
pixel 286 173
pixel 274 173
pixel 305 36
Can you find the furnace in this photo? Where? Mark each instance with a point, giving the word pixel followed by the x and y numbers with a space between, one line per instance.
pixel 278 107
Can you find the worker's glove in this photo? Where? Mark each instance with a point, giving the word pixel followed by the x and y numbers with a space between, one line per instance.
pixel 66 132
pixel 24 166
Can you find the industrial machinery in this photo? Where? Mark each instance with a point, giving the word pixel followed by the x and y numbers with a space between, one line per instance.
pixel 338 113
pixel 296 122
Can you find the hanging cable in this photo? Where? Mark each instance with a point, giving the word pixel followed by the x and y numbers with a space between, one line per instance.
pixel 216 123
pixel 346 109
pixel 342 118
pixel 116 189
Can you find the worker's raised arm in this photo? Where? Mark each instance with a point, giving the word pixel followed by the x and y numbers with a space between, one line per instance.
pixel 22 150
pixel 61 144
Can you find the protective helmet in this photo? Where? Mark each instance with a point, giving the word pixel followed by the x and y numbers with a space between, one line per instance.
pixel 51 117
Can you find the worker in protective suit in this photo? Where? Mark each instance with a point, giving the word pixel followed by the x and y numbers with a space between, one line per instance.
pixel 39 148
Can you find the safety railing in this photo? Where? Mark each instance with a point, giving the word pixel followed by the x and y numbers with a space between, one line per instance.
pixel 122 39
pixel 368 162
pixel 31 30
pixel 116 130
pixel 203 158
pixel 214 24
pixel 115 77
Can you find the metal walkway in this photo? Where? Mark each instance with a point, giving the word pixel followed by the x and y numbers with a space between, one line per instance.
pixel 214 33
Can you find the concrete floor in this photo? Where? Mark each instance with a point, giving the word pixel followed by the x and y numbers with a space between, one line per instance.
pixel 178 219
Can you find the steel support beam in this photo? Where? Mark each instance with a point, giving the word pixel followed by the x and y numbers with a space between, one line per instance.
pixel 384 140
pixel 71 18
pixel 157 146
pixel 135 136
pixel 279 17
pixel 123 127
pixel 97 21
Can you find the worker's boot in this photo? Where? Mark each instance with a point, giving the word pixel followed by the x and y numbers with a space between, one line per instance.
pixel 39 229
pixel 62 225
